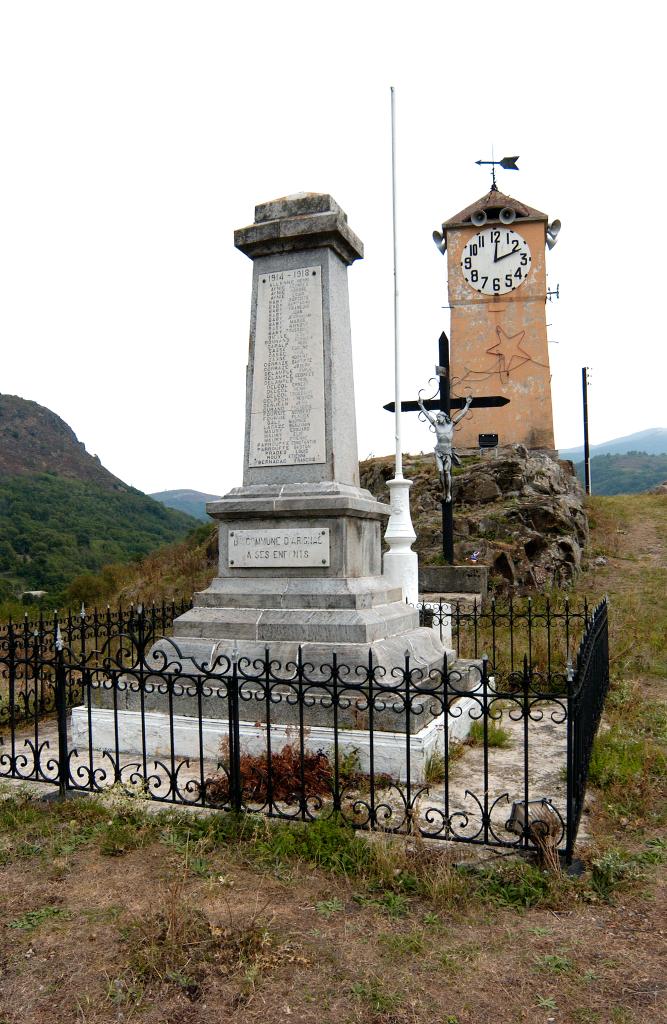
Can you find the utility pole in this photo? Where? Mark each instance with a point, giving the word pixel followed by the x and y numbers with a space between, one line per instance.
pixel 585 370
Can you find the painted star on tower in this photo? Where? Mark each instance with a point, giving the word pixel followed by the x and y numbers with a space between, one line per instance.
pixel 507 354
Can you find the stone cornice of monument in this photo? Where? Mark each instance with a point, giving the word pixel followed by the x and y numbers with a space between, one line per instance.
pixel 283 501
pixel 307 220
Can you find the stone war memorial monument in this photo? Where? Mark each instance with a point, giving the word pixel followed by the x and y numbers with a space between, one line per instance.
pixel 300 573
pixel 300 541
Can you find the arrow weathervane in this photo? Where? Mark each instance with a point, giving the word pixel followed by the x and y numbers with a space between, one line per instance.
pixel 508 163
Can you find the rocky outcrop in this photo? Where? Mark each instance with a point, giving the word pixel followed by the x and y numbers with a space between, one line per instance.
pixel 519 512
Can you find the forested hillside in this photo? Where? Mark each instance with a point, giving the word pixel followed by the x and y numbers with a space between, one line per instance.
pixel 629 473
pixel 61 512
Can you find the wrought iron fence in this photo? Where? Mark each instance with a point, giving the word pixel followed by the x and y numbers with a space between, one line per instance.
pixel 406 750
pixel 27 650
pixel 544 632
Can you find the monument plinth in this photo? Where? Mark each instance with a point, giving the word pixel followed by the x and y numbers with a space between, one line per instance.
pixel 300 541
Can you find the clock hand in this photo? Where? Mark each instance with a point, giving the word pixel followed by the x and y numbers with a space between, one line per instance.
pixel 514 252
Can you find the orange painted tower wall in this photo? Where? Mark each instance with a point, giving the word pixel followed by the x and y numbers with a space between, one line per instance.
pixel 499 345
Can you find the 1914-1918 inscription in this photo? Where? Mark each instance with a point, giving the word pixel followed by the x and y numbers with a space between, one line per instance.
pixel 266 549
pixel 287 418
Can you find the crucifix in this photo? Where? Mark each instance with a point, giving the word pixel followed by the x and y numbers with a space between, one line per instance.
pixel 444 404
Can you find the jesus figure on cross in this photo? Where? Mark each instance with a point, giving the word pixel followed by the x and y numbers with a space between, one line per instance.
pixel 444 454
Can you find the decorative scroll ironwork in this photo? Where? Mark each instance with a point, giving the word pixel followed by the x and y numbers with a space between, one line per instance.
pixel 297 741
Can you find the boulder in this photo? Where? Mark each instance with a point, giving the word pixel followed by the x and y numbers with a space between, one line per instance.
pixel 475 489
pixel 519 512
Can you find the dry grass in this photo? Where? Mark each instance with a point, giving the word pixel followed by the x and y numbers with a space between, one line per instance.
pixel 212 919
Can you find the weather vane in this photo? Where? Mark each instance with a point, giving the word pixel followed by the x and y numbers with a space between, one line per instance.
pixel 508 163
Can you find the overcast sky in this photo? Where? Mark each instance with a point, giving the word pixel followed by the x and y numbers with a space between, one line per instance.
pixel 136 136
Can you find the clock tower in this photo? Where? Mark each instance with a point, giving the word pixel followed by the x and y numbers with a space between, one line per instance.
pixel 497 295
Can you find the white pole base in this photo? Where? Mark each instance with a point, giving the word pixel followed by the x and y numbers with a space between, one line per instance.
pixel 400 563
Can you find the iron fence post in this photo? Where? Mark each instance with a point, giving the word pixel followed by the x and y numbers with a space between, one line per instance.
pixel 61 712
pixel 485 726
pixel 526 680
pixel 234 739
pixel 11 668
pixel 569 809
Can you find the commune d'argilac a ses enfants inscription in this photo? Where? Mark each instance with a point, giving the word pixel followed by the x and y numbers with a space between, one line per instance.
pixel 287 420
pixel 278 548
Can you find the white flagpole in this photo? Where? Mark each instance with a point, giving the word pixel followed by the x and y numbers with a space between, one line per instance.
pixel 398 470
pixel 400 562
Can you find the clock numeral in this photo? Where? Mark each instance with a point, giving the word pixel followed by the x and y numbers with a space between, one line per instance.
pixel 495 237
pixel 484 282
pixel 467 263
pixel 480 240
pixel 507 237
pixel 508 281
pixel 496 284
pixel 473 249
pixel 515 245
pixel 473 275
pixel 524 259
pixel 518 274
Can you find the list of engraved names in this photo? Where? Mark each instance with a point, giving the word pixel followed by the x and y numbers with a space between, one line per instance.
pixel 287 418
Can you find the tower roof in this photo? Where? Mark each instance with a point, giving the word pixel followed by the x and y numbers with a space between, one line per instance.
pixel 494 201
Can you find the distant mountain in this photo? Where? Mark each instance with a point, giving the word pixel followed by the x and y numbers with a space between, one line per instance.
pixel 192 502
pixel 629 473
pixel 61 512
pixel 653 442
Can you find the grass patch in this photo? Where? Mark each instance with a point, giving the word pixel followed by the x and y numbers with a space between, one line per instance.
pixel 456 962
pixel 521 885
pixel 34 918
pixel 496 735
pixel 404 944
pixel 393 904
pixel 328 907
pixel 325 843
pixel 435 764
pixel 553 963
pixel 176 944
pixel 374 993
pixel 613 870
pixel 630 770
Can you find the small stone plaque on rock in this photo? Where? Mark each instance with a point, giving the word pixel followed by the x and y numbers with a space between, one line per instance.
pixel 273 549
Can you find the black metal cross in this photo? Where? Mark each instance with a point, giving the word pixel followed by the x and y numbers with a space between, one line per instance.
pixel 445 403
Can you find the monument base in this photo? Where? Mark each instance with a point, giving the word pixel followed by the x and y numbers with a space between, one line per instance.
pixel 181 736
pixel 300 571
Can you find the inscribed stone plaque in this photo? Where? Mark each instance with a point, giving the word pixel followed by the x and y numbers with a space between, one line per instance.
pixel 268 549
pixel 287 411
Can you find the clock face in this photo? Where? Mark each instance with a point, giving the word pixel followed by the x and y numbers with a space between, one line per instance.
pixel 496 261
